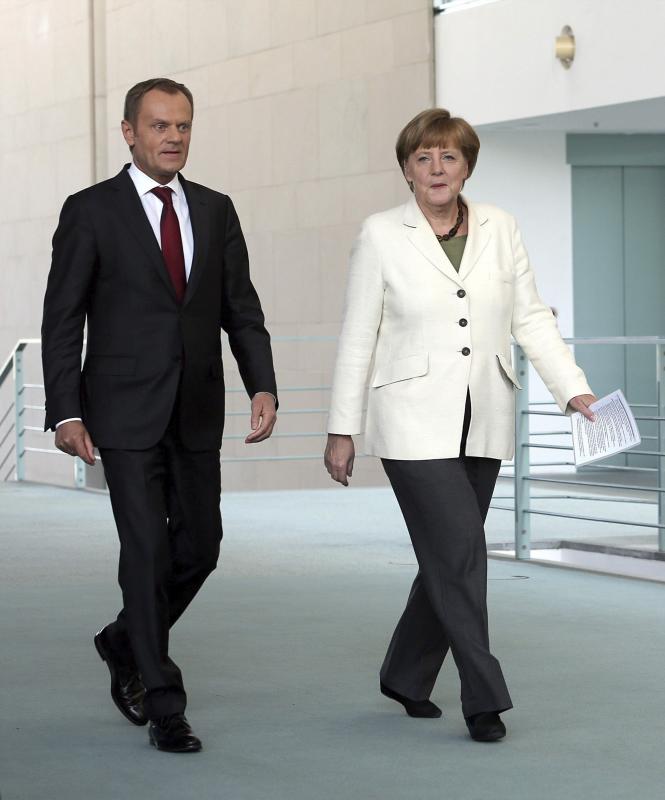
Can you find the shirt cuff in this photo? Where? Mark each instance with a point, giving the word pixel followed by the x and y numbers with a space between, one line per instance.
pixel 69 419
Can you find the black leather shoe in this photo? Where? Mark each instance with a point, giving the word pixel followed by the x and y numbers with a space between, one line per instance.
pixel 486 727
pixel 173 734
pixel 127 689
pixel 414 708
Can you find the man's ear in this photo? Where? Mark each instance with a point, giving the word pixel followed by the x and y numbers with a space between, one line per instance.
pixel 128 132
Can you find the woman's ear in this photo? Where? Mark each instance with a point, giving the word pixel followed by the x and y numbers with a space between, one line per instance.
pixel 408 180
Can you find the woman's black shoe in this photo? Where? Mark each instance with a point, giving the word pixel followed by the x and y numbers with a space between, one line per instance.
pixel 414 708
pixel 173 734
pixel 486 727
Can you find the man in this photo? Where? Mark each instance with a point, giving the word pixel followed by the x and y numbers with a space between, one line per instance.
pixel 156 264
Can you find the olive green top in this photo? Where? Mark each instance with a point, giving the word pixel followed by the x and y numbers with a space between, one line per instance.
pixel 454 249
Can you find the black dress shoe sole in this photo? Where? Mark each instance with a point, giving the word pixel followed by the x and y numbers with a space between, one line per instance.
pixel 105 656
pixel 491 735
pixel 433 713
pixel 191 747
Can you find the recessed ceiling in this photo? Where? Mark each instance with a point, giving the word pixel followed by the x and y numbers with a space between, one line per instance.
pixel 643 116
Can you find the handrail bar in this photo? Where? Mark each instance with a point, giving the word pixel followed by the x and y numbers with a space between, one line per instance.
pixel 8 366
pixel 521 471
pixel 614 340
pixel 594 483
pixel 568 447
pixel 560 414
pixel 596 519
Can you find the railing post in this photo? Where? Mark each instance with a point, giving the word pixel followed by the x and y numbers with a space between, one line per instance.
pixel 522 487
pixel 660 388
pixel 79 473
pixel 19 410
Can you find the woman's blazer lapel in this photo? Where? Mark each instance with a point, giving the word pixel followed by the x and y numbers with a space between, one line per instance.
pixel 421 235
pixel 423 238
pixel 477 240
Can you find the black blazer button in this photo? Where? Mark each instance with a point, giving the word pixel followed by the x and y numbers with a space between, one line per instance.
pixel 461 293
pixel 466 351
pixel 463 323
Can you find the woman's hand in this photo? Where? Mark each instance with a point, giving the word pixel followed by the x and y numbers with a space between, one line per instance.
pixel 581 403
pixel 339 457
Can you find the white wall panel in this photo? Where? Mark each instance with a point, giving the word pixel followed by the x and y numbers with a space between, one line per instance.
pixel 496 62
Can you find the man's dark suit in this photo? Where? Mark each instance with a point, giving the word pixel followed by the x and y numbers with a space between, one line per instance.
pixel 151 394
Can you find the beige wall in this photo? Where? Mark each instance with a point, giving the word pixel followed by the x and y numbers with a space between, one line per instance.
pixel 45 145
pixel 297 107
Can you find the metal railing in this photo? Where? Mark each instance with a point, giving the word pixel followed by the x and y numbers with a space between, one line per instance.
pixel 523 477
pixel 12 422
pixel 28 397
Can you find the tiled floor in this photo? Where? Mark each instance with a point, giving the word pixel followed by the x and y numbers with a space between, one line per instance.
pixel 280 654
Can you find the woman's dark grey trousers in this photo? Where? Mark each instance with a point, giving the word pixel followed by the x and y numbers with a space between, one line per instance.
pixel 444 503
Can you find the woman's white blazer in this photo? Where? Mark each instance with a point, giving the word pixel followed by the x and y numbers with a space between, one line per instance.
pixel 427 333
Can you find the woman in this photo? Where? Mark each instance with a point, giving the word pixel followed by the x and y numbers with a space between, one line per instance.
pixel 436 288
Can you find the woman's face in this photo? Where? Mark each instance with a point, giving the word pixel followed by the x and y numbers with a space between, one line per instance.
pixel 437 175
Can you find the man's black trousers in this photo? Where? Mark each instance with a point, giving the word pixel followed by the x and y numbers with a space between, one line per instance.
pixel 166 504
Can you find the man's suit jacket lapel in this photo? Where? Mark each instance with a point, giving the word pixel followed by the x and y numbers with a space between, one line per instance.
pixel 421 235
pixel 198 215
pixel 131 210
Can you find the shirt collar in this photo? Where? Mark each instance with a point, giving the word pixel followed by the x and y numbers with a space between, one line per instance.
pixel 144 183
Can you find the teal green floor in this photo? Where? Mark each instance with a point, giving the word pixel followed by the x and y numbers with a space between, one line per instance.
pixel 280 654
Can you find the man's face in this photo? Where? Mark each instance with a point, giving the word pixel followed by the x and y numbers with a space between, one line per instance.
pixel 161 135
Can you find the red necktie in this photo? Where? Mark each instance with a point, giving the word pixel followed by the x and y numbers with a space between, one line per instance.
pixel 171 241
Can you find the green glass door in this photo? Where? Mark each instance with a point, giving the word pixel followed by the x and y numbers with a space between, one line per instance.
pixel 619 266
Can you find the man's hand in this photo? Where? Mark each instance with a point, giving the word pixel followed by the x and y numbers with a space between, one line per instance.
pixel 339 456
pixel 73 438
pixel 581 403
pixel 264 417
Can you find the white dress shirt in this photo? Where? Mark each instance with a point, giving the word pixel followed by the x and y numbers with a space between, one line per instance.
pixel 153 206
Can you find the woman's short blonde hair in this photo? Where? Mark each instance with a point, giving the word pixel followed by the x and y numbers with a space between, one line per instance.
pixel 436 128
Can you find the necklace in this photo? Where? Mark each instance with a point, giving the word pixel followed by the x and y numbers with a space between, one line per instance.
pixel 460 217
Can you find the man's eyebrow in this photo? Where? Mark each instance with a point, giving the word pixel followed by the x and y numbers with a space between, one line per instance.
pixel 160 121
